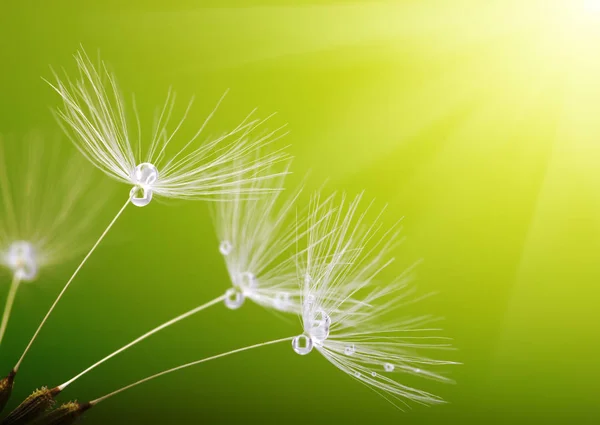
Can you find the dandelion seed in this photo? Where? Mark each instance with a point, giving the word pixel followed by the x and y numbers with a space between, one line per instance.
pixel 256 241
pixel 95 119
pixel 66 414
pixel 266 289
pixel 32 407
pixel 344 309
pixel 48 204
pixel 6 386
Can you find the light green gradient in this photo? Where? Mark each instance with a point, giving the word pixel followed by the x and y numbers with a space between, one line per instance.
pixel 477 121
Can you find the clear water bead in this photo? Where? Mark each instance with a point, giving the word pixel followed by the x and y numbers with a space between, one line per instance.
pixel 349 350
pixel 225 247
pixel 144 176
pixel 320 325
pixel 234 298
pixel 22 260
pixel 374 374
pixel 357 374
pixel 247 280
pixel 388 367
pixel 302 344
pixel 282 300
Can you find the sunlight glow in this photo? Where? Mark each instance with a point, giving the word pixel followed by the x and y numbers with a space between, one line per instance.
pixel 592 6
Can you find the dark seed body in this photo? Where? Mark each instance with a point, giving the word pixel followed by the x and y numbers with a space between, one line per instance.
pixel 6 387
pixel 33 407
pixel 66 414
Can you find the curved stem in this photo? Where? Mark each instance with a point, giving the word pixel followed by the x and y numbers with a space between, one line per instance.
pixel 12 292
pixel 175 369
pixel 143 337
pixel 16 368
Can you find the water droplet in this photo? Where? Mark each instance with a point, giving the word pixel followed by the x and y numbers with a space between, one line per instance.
pixel 349 350
pixel 388 367
pixel 234 298
pixel 374 374
pixel 225 247
pixel 320 325
pixel 282 300
pixel 418 370
pixel 357 374
pixel 21 260
pixel 247 281
pixel 144 176
pixel 302 344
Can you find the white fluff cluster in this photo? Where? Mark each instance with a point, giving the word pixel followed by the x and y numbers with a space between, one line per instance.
pixel 353 319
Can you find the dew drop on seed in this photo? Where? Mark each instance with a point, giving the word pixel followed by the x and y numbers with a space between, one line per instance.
pixel 225 247
pixel 247 281
pixel 234 298
pixel 282 300
pixel 418 370
pixel 349 350
pixel 374 374
pixel 357 374
pixel 388 367
pixel 144 176
pixel 302 344
pixel 320 325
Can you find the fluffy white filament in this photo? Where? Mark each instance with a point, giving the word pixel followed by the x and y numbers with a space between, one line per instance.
pixel 48 205
pixel 257 241
pixel 352 319
pixel 95 117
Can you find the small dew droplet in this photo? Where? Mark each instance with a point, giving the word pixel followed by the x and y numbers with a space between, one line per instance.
pixel 144 176
pixel 282 300
pixel 349 350
pixel 418 370
pixel 357 374
pixel 388 367
pixel 302 344
pixel 247 280
pixel 234 298
pixel 320 325
pixel 225 247
pixel 374 374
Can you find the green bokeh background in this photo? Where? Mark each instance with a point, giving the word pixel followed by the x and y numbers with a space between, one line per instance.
pixel 465 118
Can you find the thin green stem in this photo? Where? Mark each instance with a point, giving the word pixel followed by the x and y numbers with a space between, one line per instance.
pixel 16 368
pixel 12 292
pixel 197 362
pixel 143 337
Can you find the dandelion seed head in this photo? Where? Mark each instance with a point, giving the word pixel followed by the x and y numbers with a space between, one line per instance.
pixel 257 240
pixel 48 204
pixel 346 310
pixel 99 122
pixel 21 260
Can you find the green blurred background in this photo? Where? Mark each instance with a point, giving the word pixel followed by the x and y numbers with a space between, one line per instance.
pixel 477 121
